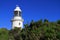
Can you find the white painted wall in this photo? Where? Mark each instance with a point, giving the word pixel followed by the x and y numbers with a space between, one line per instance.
pixel 15 22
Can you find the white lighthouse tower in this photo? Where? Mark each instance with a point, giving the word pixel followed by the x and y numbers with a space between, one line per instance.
pixel 17 20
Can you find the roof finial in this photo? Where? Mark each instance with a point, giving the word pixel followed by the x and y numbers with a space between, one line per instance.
pixel 17 6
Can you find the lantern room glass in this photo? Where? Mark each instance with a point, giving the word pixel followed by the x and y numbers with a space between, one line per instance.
pixel 17 13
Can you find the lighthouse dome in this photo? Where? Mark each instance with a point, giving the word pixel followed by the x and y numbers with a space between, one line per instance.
pixel 17 8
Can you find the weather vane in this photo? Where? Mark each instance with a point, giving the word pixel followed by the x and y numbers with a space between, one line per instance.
pixel 17 6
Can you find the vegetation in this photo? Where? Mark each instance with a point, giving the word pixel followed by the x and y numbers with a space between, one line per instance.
pixel 39 30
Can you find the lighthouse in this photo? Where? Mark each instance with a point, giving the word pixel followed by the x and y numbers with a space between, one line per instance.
pixel 17 20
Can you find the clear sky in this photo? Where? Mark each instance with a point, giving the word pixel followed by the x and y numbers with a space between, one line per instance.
pixel 31 10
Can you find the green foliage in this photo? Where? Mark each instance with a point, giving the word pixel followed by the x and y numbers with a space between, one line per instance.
pixel 4 34
pixel 36 30
pixel 58 22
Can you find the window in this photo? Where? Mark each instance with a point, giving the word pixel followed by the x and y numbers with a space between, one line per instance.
pixel 16 13
pixel 19 13
pixel 19 23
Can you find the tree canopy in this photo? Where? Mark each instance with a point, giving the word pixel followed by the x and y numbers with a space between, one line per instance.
pixel 36 30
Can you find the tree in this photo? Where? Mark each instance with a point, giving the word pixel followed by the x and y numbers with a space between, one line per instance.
pixel 58 22
pixel 4 34
pixel 36 30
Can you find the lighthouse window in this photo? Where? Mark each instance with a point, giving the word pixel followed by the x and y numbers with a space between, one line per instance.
pixel 19 13
pixel 19 23
pixel 16 13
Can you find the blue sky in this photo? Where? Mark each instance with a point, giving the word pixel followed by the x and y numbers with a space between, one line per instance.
pixel 31 10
